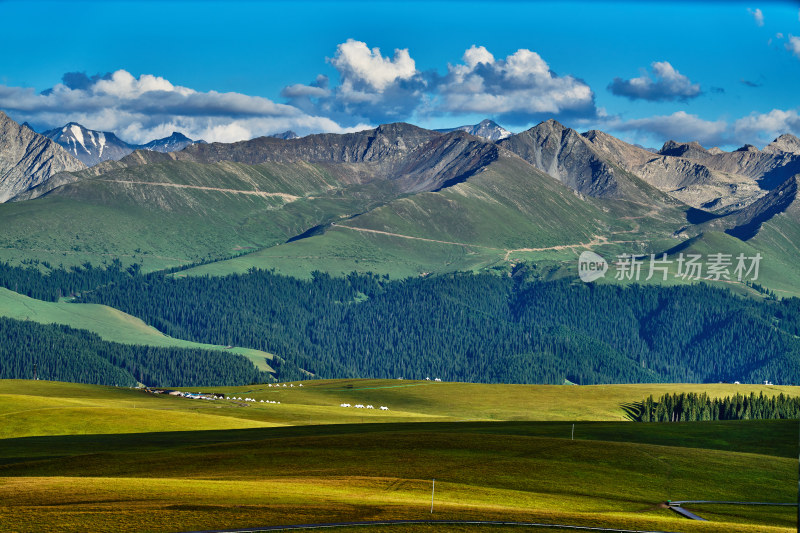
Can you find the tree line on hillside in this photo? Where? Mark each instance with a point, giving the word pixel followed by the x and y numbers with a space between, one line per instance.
pixel 467 327
pixel 692 407
pixel 60 353
pixel 40 280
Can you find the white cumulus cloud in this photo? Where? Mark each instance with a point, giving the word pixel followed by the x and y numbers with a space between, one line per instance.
pixel 761 128
pixel 142 108
pixel 517 89
pixel 372 87
pixel 665 84
pixel 359 65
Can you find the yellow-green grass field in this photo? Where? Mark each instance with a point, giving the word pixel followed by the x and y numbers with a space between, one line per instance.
pixel 109 323
pixel 81 457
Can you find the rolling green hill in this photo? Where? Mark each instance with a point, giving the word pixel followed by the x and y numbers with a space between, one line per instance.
pixel 109 458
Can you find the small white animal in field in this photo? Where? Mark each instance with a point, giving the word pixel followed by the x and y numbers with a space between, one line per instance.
pixel 384 408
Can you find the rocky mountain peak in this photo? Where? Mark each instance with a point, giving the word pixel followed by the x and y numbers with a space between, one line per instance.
pixel 486 129
pixel 89 146
pixel 286 135
pixel 567 156
pixel 785 143
pixel 551 125
pixel 176 141
pixel 747 148
pixel 690 150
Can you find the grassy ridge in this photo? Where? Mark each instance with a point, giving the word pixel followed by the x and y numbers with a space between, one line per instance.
pixel 111 324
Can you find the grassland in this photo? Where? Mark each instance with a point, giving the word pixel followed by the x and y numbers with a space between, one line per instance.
pixel 318 403
pixel 74 457
pixel 109 323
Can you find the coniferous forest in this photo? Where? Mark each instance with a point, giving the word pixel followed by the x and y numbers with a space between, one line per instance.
pixel 460 327
pixel 60 353
pixel 693 407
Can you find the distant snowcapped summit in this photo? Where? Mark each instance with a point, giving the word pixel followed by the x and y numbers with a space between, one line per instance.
pixel 89 146
pixel 487 129
pixel 173 143
pixel 286 135
pixel 92 147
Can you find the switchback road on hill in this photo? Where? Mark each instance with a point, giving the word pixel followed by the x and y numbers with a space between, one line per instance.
pixel 426 522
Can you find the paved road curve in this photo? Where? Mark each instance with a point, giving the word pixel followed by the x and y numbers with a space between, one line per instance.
pixel 676 506
pixel 432 522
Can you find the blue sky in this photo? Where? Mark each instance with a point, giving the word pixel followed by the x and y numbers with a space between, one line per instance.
pixel 723 73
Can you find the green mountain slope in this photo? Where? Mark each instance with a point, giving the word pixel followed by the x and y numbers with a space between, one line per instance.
pixel 507 212
pixel 173 213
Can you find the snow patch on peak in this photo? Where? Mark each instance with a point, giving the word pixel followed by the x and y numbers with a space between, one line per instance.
pixel 101 138
pixel 78 134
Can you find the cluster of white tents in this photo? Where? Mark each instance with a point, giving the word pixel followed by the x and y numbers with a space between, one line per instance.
pixel 249 400
pixel 362 406
pixel 279 385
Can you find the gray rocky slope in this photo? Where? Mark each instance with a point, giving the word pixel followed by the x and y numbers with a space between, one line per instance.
pixel 28 159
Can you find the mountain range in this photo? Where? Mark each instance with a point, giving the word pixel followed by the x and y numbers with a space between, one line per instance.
pixel 91 147
pixel 404 200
